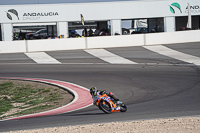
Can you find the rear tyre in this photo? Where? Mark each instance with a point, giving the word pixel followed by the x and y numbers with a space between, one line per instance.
pixel 105 107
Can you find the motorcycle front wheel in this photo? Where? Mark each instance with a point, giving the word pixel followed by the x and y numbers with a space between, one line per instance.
pixel 105 107
pixel 123 107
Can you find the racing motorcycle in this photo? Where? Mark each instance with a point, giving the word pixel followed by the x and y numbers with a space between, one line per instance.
pixel 108 105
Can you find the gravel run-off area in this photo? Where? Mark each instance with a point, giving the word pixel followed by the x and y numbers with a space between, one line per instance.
pixel 170 125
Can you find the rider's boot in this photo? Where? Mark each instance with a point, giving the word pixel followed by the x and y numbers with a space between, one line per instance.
pixel 119 102
pixel 117 108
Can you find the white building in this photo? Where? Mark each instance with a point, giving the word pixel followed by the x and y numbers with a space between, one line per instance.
pixel 114 16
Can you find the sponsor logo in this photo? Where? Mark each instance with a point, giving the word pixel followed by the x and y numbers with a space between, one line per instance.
pixel 36 16
pixel 41 14
pixel 175 5
pixel 194 8
pixel 12 12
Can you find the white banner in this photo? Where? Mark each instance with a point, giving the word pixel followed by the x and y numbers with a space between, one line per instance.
pixel 95 11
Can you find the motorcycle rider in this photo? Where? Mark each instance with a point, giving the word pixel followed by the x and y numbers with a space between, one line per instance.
pixel 97 93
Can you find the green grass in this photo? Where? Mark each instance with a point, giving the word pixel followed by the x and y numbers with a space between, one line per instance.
pixel 5 106
pixel 27 95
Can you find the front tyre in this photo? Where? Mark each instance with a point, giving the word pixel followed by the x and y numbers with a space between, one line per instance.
pixel 123 107
pixel 105 107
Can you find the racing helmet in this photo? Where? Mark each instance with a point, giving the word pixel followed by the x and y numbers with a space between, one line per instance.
pixel 93 91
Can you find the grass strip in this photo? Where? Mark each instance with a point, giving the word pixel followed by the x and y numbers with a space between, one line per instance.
pixel 27 98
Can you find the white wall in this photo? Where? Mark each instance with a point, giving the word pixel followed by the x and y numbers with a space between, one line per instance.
pixel 7 32
pixel 169 24
pixel 62 29
pixel 12 46
pixel 56 44
pixel 95 11
pixel 100 42
pixel 173 37
pixel 115 41
pixel 116 27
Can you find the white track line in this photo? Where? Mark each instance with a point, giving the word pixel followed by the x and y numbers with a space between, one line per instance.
pixel 109 57
pixel 42 58
pixel 174 54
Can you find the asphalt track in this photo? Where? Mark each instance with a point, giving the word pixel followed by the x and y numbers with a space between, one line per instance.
pixel 157 87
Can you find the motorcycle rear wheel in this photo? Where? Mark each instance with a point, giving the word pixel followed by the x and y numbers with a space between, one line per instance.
pixel 105 107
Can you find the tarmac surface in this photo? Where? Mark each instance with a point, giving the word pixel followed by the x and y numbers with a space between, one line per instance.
pixel 158 86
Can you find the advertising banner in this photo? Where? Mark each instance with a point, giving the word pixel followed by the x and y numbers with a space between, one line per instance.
pixel 97 11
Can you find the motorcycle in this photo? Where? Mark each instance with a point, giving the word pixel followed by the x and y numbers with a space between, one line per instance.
pixel 108 105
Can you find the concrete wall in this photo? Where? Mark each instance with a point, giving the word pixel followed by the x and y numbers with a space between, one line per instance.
pixel 115 41
pixel 173 37
pixel 99 42
pixel 12 46
pixel 56 44
pixel 7 32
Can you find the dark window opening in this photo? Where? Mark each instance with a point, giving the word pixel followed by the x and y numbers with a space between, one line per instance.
pixel 31 31
pixel 181 23
pixel 92 28
pixel 137 26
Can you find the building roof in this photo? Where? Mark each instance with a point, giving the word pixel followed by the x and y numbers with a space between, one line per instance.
pixel 25 2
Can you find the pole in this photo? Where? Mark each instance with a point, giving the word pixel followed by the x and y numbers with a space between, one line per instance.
pixel 189 23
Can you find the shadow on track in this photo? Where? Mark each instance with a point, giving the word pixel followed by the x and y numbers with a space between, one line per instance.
pixel 85 114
